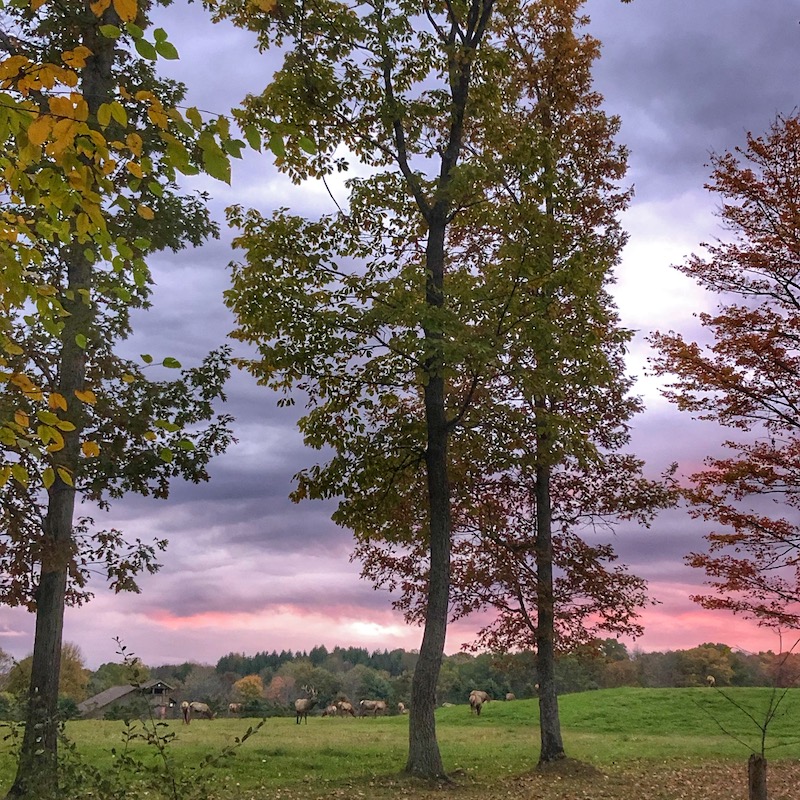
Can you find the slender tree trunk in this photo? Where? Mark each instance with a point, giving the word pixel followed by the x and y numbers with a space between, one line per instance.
pixel 757 777
pixel 424 758
pixel 552 746
pixel 37 768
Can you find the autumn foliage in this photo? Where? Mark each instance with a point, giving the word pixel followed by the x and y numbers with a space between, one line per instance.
pixel 746 377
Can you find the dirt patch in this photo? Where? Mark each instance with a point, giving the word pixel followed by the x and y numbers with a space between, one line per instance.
pixel 574 780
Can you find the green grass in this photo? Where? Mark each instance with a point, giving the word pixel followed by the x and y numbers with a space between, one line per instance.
pixel 602 728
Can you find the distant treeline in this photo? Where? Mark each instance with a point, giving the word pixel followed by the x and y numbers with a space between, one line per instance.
pixel 340 659
pixel 268 682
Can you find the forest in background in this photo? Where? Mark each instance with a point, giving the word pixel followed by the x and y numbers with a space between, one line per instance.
pixel 268 682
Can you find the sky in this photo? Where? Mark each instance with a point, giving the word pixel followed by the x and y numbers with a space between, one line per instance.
pixel 246 570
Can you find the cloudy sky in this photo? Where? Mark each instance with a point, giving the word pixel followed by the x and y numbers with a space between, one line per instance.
pixel 246 569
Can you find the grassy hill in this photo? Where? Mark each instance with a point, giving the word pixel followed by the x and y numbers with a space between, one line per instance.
pixel 610 730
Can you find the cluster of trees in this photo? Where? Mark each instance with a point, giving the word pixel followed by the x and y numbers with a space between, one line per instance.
pixel 266 684
pixel 450 327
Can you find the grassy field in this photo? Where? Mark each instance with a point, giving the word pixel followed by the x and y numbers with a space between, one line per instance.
pixel 663 744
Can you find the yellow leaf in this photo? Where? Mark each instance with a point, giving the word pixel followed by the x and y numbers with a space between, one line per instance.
pixel 99 7
pixel 134 142
pixel 90 449
pixel 135 169
pixel 128 378
pixel 37 4
pixel 56 400
pixel 39 130
pixel 145 212
pixel 126 9
pixel 86 396
pixel 77 58
pixel 5 474
pixel 150 436
pixel 48 477
pixel 265 5
pixel 65 476
pixel 21 418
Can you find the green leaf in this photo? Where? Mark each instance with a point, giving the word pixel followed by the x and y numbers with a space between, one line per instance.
pixel 160 35
pixel 307 144
pixel 167 50
pixel 147 358
pixel 251 133
pixel 145 49
pixel 165 454
pixel 276 145
pixel 110 31
pixel 80 340
pixel 134 30
pixel 185 444
pixel 171 363
pixel 193 115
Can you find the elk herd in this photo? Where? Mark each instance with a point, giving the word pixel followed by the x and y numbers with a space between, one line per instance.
pixel 341 708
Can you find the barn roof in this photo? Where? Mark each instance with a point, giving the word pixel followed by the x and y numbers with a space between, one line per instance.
pixel 115 693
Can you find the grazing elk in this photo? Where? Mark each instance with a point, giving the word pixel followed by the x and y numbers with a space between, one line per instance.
pixel 401 708
pixel 711 681
pixel 511 696
pixel 476 700
pixel 345 708
pixel 372 707
pixel 235 708
pixel 305 704
pixel 201 710
pixel 330 711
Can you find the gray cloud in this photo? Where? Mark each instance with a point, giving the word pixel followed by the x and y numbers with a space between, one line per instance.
pixel 247 569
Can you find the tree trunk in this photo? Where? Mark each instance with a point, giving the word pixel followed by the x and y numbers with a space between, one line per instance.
pixel 757 777
pixel 424 758
pixel 37 768
pixel 552 746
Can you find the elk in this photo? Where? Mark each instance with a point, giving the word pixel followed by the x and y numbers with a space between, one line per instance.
pixel 305 704
pixel 511 696
pixel 330 711
pixel 373 706
pixel 401 708
pixel 345 708
pixel 711 681
pixel 186 710
pixel 235 708
pixel 201 709
pixel 476 700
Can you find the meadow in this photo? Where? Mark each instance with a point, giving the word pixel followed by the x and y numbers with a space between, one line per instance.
pixel 659 744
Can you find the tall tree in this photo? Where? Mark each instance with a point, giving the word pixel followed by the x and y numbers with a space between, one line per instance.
pixel 538 457
pixel 384 314
pixel 89 177
pixel 746 377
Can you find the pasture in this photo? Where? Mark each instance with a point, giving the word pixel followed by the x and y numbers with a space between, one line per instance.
pixel 648 744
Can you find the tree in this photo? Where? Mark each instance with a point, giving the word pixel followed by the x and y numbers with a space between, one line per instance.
pixel 251 687
pixel 92 151
pixel 747 379
pixel 73 677
pixel 381 314
pixel 539 458
pixel 115 674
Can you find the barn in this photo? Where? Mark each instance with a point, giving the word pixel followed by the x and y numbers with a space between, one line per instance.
pixel 128 700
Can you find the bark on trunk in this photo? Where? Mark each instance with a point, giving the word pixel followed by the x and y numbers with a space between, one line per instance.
pixel 424 758
pixel 757 777
pixel 552 746
pixel 37 767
